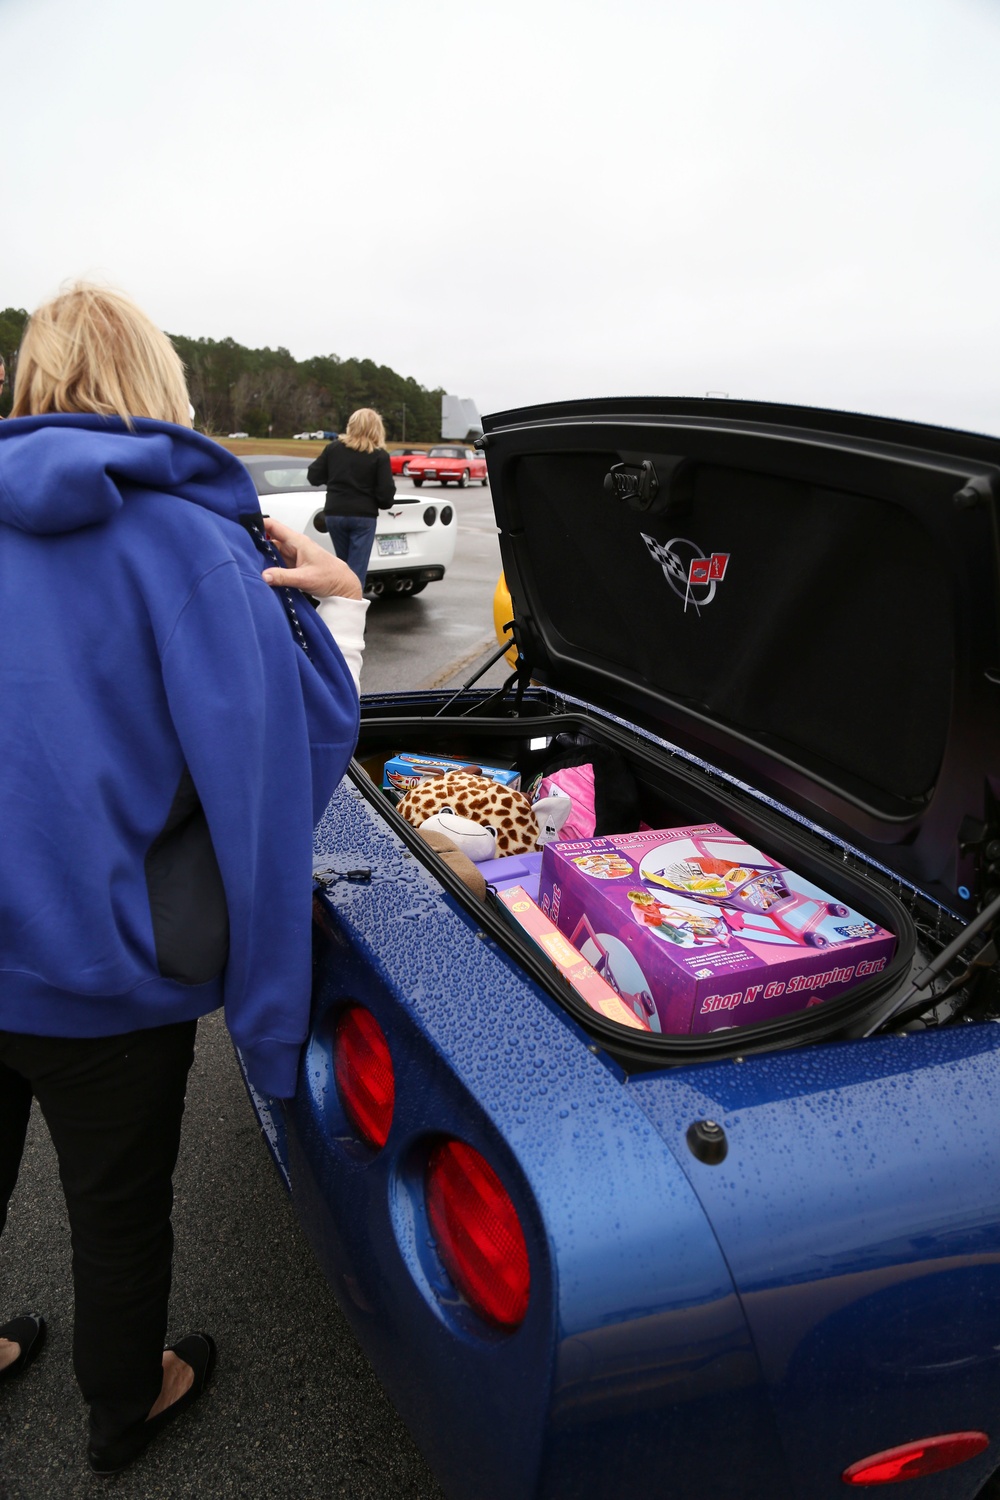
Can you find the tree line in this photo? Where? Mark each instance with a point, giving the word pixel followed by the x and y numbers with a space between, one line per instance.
pixel 12 321
pixel 267 393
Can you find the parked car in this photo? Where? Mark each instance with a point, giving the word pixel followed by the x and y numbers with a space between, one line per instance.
pixel 757 1263
pixel 449 465
pixel 239 434
pixel 399 458
pixel 414 540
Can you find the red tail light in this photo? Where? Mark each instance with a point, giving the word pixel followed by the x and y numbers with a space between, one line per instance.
pixel 915 1460
pixel 478 1233
pixel 362 1067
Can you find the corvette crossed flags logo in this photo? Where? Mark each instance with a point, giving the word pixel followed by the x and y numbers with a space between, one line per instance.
pixel 691 574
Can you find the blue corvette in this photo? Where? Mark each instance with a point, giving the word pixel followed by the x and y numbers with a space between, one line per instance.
pixel 762 1262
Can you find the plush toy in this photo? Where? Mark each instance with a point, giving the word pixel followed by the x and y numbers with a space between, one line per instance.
pixel 601 788
pixel 457 862
pixel 483 819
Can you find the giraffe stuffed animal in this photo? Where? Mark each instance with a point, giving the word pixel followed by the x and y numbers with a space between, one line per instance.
pixel 482 818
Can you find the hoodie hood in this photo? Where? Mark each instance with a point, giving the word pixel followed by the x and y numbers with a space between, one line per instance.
pixel 63 472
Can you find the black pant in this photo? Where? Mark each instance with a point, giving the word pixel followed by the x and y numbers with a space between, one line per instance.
pixel 113 1106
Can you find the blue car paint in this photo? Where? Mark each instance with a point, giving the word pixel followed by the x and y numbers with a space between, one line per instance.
pixel 633 1319
pixel 689 1331
pixel 857 1209
pixel 271 1114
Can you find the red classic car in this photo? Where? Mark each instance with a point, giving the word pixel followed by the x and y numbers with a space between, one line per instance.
pixel 451 464
pixel 399 458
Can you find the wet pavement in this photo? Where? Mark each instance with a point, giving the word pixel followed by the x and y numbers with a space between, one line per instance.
pixel 294 1410
pixel 438 638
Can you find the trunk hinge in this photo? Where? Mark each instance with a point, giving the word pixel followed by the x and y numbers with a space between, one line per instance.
pixel 904 1008
pixel 520 677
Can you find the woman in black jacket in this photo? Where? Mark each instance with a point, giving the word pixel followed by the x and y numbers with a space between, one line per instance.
pixel 359 483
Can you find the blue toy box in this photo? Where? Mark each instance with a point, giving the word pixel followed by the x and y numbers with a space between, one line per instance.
pixel 404 771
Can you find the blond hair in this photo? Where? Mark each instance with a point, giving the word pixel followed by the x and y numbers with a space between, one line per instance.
pixel 93 350
pixel 365 431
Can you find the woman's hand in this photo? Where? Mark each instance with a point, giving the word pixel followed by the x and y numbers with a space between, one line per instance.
pixel 311 567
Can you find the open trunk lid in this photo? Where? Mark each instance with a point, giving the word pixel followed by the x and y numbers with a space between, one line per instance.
pixel 808 599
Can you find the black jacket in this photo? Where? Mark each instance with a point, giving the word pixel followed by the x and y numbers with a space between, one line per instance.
pixel 357 484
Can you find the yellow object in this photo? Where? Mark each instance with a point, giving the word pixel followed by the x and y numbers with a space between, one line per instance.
pixel 702 885
pixel 503 611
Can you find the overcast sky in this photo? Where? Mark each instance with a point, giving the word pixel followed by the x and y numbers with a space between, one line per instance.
pixel 528 200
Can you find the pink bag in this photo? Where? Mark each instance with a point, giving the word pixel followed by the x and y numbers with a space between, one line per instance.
pixel 577 783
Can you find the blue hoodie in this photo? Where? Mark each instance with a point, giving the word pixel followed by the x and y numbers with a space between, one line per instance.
pixel 166 747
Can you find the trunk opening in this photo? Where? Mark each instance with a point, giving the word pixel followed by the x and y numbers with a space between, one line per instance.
pixel 673 791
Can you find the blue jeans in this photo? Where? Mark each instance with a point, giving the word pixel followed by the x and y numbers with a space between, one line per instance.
pixel 352 538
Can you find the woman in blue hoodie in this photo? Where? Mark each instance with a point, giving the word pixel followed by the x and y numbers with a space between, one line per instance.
pixel 157 687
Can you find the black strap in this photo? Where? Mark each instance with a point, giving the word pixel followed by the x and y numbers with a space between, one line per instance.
pixel 254 524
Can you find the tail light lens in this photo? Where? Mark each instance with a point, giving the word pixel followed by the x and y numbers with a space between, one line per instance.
pixel 430 516
pixel 446 515
pixel 479 1236
pixel 916 1460
pixel 362 1067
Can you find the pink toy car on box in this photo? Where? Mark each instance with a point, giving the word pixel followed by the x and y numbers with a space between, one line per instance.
pixel 697 929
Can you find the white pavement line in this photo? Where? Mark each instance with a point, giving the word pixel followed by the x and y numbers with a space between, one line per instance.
pixel 452 670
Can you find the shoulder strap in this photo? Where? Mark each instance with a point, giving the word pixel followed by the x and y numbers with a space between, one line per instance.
pixel 254 524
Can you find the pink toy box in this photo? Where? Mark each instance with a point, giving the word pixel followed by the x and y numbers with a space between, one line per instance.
pixel 592 989
pixel 697 930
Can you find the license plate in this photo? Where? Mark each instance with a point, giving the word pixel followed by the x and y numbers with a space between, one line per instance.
pixel 391 546
pixel 430 473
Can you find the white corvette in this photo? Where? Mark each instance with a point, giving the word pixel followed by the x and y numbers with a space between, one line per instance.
pixel 414 539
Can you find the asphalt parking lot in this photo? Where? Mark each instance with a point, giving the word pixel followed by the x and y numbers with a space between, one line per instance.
pixel 295 1409
pixel 440 635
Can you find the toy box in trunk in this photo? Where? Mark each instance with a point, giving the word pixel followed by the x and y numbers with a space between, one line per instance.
pixel 672 793
pixel 697 929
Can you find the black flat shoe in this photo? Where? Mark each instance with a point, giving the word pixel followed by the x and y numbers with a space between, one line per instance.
pixel 29 1332
pixel 198 1351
